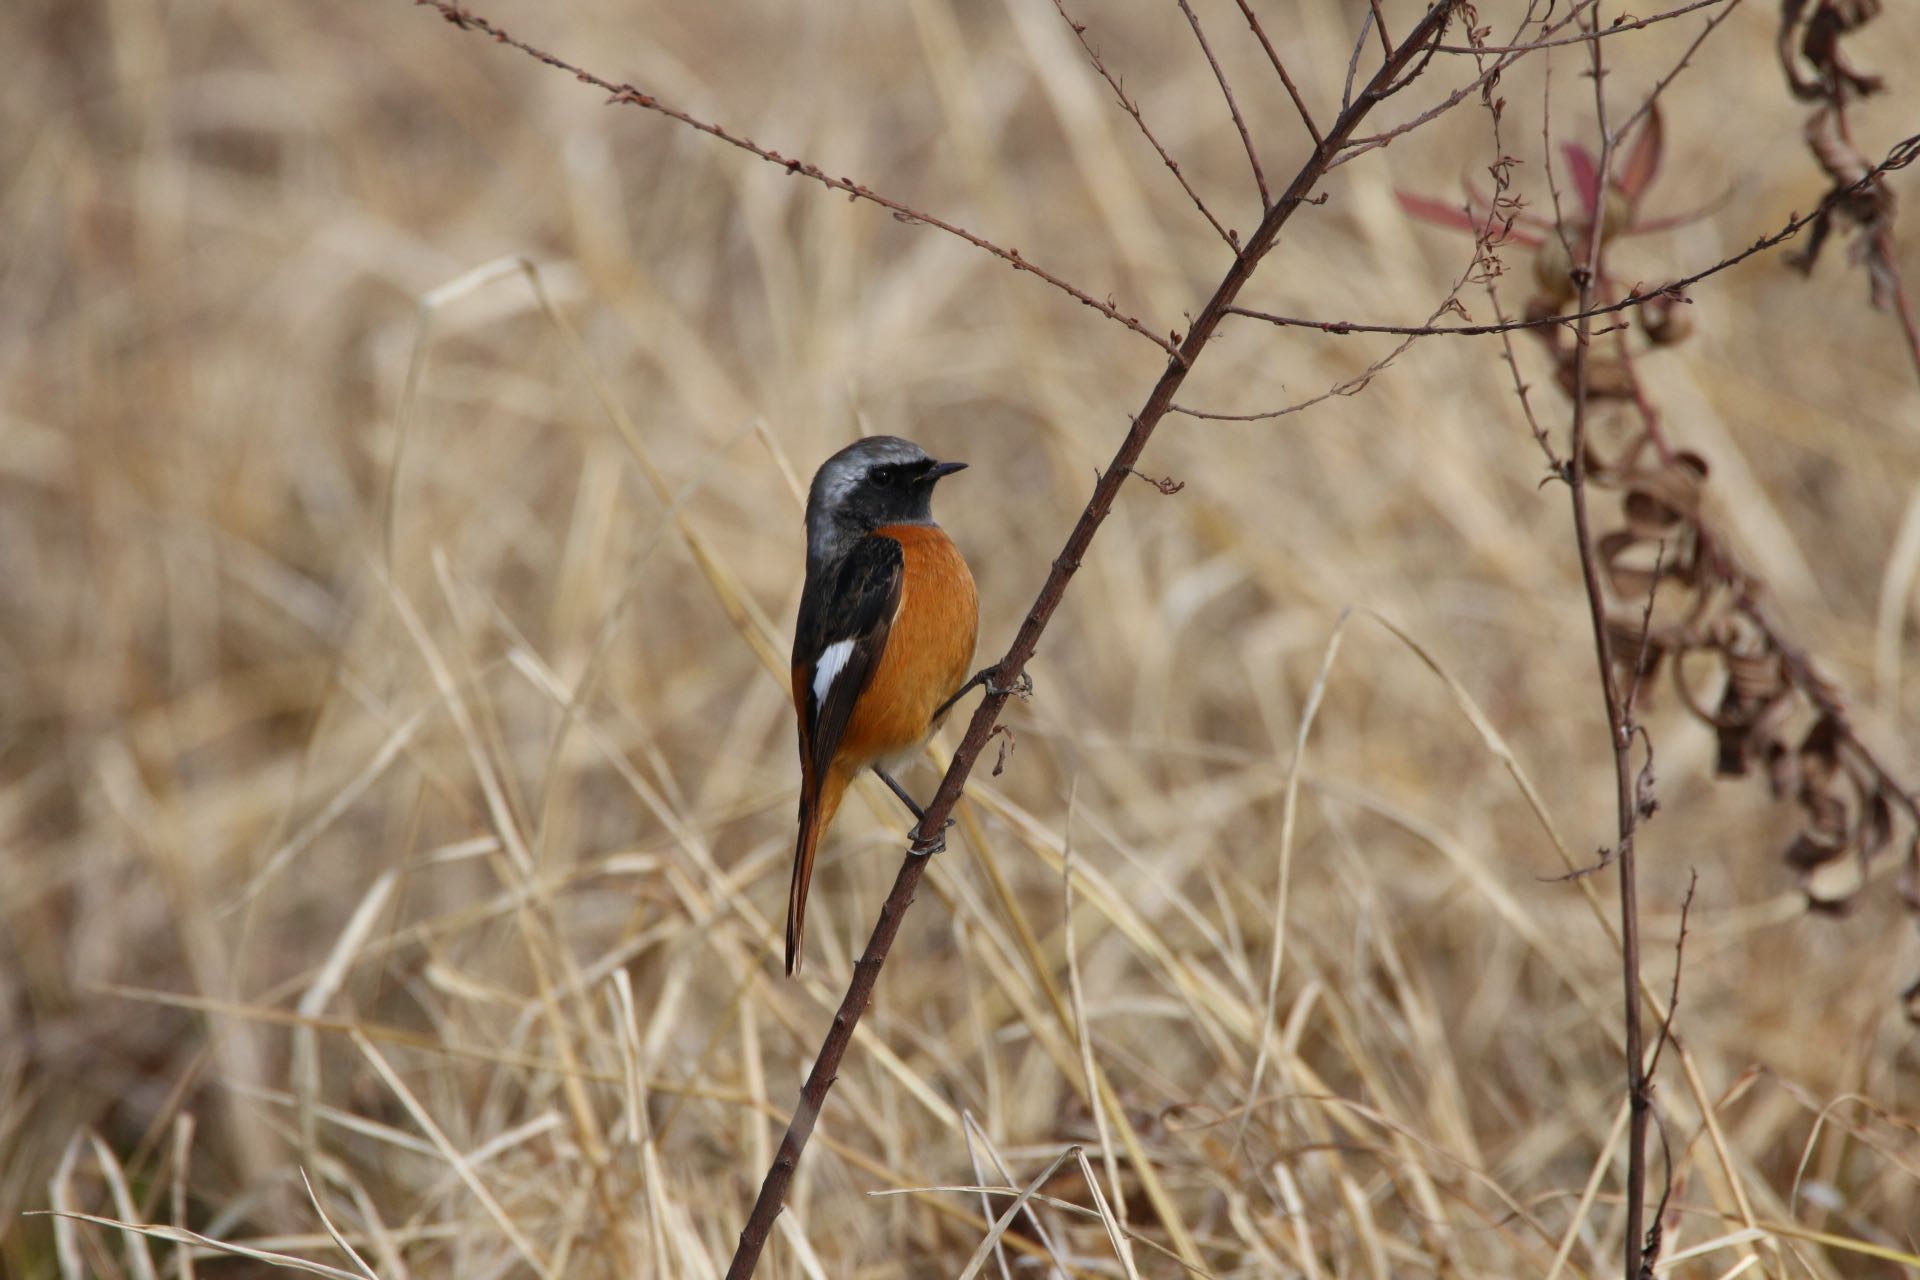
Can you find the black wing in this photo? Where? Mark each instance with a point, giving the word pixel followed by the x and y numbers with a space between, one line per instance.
pixel 846 612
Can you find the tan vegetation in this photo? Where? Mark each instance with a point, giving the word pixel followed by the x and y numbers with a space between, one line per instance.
pixel 397 777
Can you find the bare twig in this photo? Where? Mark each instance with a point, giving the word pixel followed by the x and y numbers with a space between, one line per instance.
pixel 1555 464
pixel 1133 109
pixel 1679 959
pixel 1280 69
pixel 1509 54
pixel 1902 154
pixel 1618 27
pixel 1380 25
pixel 1233 108
pixel 1685 60
pixel 1353 63
pixel 1158 403
pixel 626 94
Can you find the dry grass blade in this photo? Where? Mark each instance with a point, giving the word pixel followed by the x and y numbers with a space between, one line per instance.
pixel 226 1248
pixel 339 1240
pixel 1287 816
pixel 461 1165
pixel 984 1249
pixel 1112 1211
pixel 306 1051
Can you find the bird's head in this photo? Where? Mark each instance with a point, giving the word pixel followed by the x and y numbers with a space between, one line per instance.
pixel 875 481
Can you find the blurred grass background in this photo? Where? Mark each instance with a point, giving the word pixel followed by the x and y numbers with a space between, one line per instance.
pixel 366 685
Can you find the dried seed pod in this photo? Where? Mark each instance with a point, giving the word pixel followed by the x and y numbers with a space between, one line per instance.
pixel 1665 320
pixel 1607 378
pixel 1616 213
pixel 1553 267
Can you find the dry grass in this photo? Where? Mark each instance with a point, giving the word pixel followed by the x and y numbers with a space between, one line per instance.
pixel 395 773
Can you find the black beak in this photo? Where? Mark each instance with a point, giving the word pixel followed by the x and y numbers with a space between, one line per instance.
pixel 939 469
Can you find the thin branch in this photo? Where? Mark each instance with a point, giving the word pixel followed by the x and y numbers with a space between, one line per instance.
pixel 626 94
pixel 1340 328
pixel 1509 54
pixel 1486 77
pixel 1380 25
pixel 1686 58
pixel 1618 27
pixel 1280 69
pixel 1902 305
pixel 1555 464
pixel 1902 154
pixel 1345 387
pixel 1159 402
pixel 1619 717
pixel 1657 1231
pixel 1132 108
pixel 1679 959
pixel 1233 108
pixel 1353 63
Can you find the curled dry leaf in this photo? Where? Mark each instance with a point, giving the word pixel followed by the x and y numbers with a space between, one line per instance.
pixel 1820 24
pixel 1849 818
pixel 1870 208
pixel 1659 499
pixel 1755 705
pixel 1847 806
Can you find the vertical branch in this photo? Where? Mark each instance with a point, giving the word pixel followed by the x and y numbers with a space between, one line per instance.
pixel 1620 729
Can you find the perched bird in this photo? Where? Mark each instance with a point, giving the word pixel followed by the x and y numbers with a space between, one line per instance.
pixel 888 620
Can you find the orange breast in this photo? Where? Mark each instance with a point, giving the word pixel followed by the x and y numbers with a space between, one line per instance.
pixel 929 649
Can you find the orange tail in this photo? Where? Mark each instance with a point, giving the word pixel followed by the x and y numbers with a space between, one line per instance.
pixel 814 818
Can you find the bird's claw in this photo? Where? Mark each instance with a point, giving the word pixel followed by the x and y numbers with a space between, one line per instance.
pixel 922 848
pixel 1021 687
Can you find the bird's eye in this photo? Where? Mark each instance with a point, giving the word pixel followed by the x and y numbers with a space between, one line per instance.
pixel 885 477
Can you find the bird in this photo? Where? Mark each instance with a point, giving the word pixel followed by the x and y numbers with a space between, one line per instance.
pixel 889 617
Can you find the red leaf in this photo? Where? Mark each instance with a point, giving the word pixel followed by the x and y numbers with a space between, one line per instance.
pixel 1643 162
pixel 1586 176
pixel 1428 209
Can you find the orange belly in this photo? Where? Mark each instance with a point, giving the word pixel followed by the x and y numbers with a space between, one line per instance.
pixel 929 651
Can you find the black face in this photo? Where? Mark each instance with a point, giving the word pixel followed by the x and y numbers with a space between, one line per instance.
pixel 875 481
pixel 897 492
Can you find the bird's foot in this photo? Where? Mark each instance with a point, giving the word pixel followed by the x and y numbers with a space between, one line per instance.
pixel 1021 687
pixel 922 847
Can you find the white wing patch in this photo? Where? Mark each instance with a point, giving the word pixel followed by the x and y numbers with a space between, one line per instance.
pixel 833 660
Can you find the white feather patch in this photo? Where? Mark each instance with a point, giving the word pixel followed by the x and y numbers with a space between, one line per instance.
pixel 833 660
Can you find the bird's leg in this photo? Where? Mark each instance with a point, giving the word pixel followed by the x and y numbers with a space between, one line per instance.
pixel 939 839
pixel 988 676
pixel 919 814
